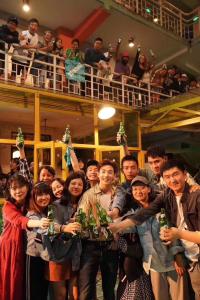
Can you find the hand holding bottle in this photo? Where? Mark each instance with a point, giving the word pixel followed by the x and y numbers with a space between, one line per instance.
pixel 44 223
pixel 72 228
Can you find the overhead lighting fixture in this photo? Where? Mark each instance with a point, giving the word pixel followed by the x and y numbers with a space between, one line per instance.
pixel 26 6
pixel 106 112
pixel 155 20
pixel 131 42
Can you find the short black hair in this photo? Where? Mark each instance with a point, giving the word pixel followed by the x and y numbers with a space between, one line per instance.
pixel 98 39
pixel 129 158
pixel 156 151
pixel 108 162
pixel 92 162
pixel 76 41
pixel 33 20
pixel 48 168
pixel 173 163
pixel 13 19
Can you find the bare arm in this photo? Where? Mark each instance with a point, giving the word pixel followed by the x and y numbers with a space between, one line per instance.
pixel 173 233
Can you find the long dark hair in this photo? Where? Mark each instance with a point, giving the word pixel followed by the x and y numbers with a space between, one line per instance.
pixel 67 197
pixel 21 181
pixel 40 189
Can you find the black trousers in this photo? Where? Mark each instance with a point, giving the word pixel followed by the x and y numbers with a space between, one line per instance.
pixel 36 285
pixel 95 255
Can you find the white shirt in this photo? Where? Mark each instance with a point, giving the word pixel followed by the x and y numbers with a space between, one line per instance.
pixel 29 39
pixel 191 249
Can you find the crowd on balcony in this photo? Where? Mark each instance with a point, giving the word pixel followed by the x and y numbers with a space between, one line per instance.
pixel 32 50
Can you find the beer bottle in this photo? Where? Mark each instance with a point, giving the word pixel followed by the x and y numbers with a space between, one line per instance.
pixel 93 226
pixel 163 219
pixel 67 136
pixel 121 135
pixel 50 216
pixel 20 138
pixel 163 225
pixel 104 219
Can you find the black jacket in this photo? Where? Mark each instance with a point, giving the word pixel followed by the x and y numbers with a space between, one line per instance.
pixel 167 200
pixel 8 36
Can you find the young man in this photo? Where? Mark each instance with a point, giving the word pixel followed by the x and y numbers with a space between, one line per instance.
pixel 28 41
pixel 92 172
pixel 94 55
pixel 130 169
pixel 8 34
pixel 157 157
pixel 98 253
pixel 182 209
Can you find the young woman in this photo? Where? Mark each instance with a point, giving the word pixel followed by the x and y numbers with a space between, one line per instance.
pixel 12 253
pixel 67 196
pixel 36 254
pixel 46 174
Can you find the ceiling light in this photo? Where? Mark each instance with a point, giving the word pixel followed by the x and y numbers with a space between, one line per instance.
pixel 155 20
pixel 26 6
pixel 131 42
pixel 106 112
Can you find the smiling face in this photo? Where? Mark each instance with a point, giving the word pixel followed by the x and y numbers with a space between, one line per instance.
pixel 92 173
pixel 57 189
pixel 43 200
pixel 76 187
pixel 175 179
pixel 18 192
pixel 45 176
pixel 141 193
pixel 156 163
pixel 106 175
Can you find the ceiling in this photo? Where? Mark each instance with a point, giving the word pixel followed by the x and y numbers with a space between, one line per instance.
pixel 186 5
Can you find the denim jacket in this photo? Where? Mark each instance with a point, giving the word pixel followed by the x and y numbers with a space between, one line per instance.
pixel 149 233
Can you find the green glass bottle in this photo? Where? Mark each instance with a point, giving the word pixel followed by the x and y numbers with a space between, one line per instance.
pixel 92 225
pixel 121 134
pixel 50 216
pixel 67 135
pixel 163 219
pixel 20 138
pixel 81 218
pixel 104 219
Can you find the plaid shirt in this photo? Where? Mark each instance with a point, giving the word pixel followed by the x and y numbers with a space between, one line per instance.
pixel 24 170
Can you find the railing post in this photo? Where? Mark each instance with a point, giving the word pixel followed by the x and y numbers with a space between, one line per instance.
pixel 6 63
pixel 161 12
pixel 92 82
pixel 123 79
pixel 137 6
pixel 149 92
pixel 54 72
pixel 181 23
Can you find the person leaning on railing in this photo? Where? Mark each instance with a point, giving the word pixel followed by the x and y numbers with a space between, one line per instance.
pixel 28 40
pixel 9 35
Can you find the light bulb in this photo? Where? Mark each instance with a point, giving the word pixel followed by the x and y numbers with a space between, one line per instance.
pixel 106 112
pixel 26 7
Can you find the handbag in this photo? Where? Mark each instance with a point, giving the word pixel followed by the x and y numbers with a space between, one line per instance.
pixel 133 253
pixel 61 247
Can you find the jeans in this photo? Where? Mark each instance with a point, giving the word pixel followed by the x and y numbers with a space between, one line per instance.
pixel 95 255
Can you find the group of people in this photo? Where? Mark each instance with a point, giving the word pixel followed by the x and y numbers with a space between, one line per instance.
pixel 72 60
pixel 143 261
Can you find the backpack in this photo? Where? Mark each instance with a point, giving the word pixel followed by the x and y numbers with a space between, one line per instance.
pixel 61 247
